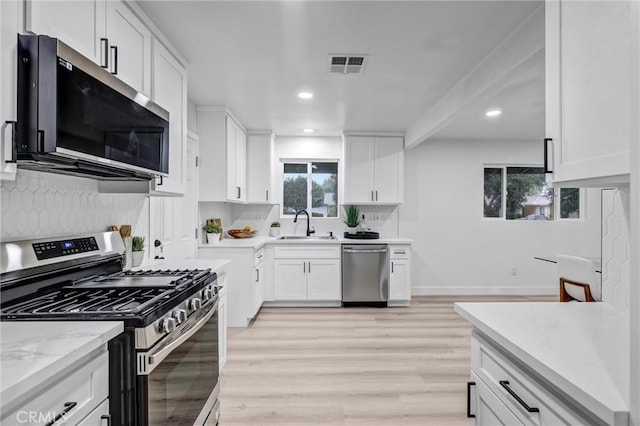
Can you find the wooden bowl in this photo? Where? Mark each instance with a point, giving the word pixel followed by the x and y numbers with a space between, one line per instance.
pixel 241 233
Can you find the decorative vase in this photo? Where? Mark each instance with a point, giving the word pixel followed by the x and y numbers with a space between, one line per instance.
pixel 213 239
pixel 274 231
pixel 352 229
pixel 136 258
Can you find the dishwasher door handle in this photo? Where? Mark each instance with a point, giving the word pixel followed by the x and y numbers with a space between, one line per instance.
pixel 364 251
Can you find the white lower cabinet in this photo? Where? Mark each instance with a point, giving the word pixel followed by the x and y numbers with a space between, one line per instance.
pixel 100 416
pixel 505 393
pixel 76 394
pixel 307 273
pixel 222 322
pixel 244 289
pixel 400 275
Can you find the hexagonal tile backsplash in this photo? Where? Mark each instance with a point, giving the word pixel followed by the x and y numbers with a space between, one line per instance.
pixel 615 248
pixel 40 205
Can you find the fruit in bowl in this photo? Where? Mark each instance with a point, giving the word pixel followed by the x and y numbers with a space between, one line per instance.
pixel 246 232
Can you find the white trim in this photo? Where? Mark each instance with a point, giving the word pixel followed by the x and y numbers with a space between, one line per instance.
pixel 481 291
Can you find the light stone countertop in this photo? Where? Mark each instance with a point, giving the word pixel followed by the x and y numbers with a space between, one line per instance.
pixel 33 352
pixel 582 348
pixel 260 241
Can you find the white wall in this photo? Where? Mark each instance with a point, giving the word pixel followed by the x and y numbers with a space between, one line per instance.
pixel 40 205
pixel 456 250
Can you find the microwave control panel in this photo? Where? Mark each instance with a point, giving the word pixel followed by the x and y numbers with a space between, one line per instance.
pixel 51 249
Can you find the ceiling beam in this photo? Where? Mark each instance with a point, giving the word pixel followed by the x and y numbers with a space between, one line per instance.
pixel 490 75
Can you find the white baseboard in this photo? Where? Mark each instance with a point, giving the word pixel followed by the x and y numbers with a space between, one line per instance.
pixel 482 291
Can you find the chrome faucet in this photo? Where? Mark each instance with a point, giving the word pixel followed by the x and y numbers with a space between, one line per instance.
pixel 309 231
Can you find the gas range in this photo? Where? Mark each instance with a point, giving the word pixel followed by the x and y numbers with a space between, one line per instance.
pixel 170 318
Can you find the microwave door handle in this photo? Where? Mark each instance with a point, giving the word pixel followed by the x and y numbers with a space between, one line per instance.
pixel 155 356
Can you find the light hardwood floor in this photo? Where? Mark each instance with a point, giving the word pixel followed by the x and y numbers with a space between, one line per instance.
pixel 353 366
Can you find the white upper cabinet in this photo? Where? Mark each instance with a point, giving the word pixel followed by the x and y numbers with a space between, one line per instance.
pixel 236 140
pixel 223 156
pixel 129 47
pixel 589 74
pixel 107 32
pixel 9 27
pixel 259 168
pixel 170 92
pixel 374 169
pixel 79 24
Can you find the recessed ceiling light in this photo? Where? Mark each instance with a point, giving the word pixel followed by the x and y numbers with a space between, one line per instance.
pixel 305 95
pixel 308 130
pixel 493 113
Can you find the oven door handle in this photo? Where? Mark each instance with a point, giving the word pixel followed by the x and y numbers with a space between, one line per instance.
pixel 148 361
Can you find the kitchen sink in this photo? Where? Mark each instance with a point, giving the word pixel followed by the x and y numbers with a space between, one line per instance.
pixel 303 237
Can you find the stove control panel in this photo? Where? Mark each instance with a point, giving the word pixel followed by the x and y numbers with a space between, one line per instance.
pixel 51 249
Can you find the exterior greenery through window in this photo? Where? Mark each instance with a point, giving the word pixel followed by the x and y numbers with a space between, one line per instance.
pixel 312 186
pixel 522 193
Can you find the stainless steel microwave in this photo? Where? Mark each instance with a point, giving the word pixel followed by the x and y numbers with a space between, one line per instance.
pixel 75 117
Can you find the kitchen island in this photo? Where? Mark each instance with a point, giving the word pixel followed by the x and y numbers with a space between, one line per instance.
pixel 575 353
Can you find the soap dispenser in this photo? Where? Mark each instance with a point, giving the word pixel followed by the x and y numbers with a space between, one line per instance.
pixel 363 225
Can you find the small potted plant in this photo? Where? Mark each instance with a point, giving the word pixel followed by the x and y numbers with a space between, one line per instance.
pixel 137 250
pixel 352 219
pixel 274 231
pixel 213 231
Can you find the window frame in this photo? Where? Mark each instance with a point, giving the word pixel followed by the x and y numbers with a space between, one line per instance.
pixel 309 162
pixel 556 196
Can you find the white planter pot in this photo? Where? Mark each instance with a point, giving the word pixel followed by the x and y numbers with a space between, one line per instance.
pixel 352 229
pixel 136 258
pixel 213 239
pixel 274 232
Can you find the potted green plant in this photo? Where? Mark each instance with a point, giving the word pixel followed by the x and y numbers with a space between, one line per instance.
pixel 137 250
pixel 213 231
pixel 352 218
pixel 274 230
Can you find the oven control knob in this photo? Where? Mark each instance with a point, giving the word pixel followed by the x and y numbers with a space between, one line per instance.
pixel 207 293
pixel 195 304
pixel 167 325
pixel 180 315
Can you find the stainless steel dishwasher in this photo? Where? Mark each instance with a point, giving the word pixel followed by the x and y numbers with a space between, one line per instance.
pixel 365 274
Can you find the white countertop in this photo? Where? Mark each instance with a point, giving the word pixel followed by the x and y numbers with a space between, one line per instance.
pixel 216 265
pixel 260 241
pixel 32 352
pixel 583 348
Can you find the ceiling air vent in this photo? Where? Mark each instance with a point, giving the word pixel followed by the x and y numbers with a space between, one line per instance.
pixel 347 64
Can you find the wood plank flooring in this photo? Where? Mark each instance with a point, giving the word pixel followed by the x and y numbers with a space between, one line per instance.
pixel 351 366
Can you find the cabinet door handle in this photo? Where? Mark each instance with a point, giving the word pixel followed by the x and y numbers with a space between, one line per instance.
pixel 104 52
pixel 114 52
pixel 238 188
pixel 376 195
pixel 14 145
pixel 68 406
pixel 267 195
pixel 392 267
pixel 469 415
pixel 372 196
pixel 304 267
pixel 505 384
pixel 546 155
pixel 257 275
pixel 309 267
pixel 106 417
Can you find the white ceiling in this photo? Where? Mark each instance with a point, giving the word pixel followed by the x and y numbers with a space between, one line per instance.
pixel 254 57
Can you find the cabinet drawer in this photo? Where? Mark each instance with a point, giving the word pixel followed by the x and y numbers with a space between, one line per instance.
pixel 305 252
pixel 510 383
pixel 99 416
pixel 399 252
pixel 73 396
pixel 258 256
